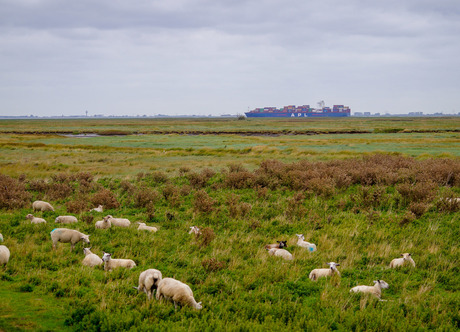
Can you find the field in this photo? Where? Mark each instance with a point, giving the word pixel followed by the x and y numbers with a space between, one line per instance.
pixel 363 190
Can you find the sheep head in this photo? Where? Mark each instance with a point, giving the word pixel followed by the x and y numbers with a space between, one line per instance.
pixel 106 257
pixel 85 238
pixel 282 244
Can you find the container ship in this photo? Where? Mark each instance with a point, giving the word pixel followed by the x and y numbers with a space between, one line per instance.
pixel 306 111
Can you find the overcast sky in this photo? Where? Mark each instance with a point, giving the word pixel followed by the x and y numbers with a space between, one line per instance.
pixel 204 57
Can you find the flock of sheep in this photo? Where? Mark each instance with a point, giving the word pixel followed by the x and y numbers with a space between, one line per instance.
pixel 169 288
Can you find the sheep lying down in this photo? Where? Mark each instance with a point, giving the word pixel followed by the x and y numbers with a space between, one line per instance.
pixel 177 292
pixel 110 264
pixel 4 254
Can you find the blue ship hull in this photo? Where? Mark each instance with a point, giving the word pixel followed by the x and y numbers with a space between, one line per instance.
pixel 296 115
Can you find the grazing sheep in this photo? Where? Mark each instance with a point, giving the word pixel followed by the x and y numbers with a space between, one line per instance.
pixel 104 223
pixel 4 254
pixel 118 222
pixel 177 292
pixel 143 226
pixel 406 258
pixel 42 206
pixel 66 219
pixel 194 230
pixel 110 264
pixel 304 244
pixel 280 253
pixel 91 259
pixel 374 290
pixel 98 209
pixel 66 235
pixel 148 281
pixel 318 273
pixel 35 220
pixel 280 244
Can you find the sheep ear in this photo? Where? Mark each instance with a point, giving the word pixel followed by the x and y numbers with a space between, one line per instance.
pixel 402 255
pixel 337 264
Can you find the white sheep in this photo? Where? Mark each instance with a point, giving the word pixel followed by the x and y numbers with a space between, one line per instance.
pixel 280 253
pixel 110 264
pixel 65 235
pixel 103 224
pixel 374 290
pixel 42 206
pixel 406 258
pixel 194 230
pixel 118 222
pixel 279 244
pixel 1 237
pixel 35 220
pixel 318 273
pixel 148 281
pixel 177 292
pixel 143 226
pixel 91 259
pixel 66 219
pixel 4 254
pixel 98 209
pixel 304 244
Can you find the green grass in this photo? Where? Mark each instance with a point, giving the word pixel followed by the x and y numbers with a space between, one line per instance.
pixel 22 308
pixel 355 208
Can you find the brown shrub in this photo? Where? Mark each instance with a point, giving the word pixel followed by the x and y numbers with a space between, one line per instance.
pixel 407 218
pixel 184 170
pixel 205 237
pixel 418 208
pixel 159 177
pixel 145 197
pixel 211 265
pixel 39 186
pixel 239 180
pixel 200 180
pixel 87 218
pixel 321 186
pixel 262 192
pixel 106 198
pixel 59 190
pixel 185 190
pixel 78 205
pixel 172 194
pixel 203 203
pixel 127 187
pixel 13 194
pixel 419 192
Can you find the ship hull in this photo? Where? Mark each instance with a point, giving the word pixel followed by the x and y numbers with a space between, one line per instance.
pixel 296 115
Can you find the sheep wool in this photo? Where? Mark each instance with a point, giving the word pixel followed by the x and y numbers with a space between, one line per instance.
pixel 406 258
pixel 91 259
pixel 318 273
pixel 1 237
pixel 304 244
pixel 148 282
pixel 177 292
pixel 110 264
pixel 375 290
pixel 118 222
pixel 35 220
pixel 66 219
pixel 65 235
pixel 143 226
pixel 42 206
pixel 281 253
pixel 4 255
pixel 98 209
pixel 103 224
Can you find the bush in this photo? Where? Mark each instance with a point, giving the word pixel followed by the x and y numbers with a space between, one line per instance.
pixel 203 203
pixel 106 198
pixel 212 265
pixel 145 197
pixel 13 194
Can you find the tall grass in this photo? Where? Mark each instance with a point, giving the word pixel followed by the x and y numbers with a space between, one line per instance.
pixel 359 212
